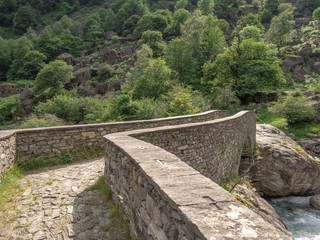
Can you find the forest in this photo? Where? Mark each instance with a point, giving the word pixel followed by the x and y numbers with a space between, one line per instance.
pixel 75 62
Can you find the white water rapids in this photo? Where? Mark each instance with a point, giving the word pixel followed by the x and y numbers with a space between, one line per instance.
pixel 301 219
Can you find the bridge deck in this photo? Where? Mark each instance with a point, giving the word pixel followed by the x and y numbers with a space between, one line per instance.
pixel 55 203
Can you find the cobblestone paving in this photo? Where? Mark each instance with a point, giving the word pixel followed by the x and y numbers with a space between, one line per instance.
pixel 56 204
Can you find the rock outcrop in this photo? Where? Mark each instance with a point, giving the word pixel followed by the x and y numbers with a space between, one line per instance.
pixel 283 168
pixel 8 89
pixel 260 206
pixel 315 201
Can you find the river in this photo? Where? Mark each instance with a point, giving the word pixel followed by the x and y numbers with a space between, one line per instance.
pixel 301 219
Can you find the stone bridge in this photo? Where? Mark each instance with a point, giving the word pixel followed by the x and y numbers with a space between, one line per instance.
pixel 163 173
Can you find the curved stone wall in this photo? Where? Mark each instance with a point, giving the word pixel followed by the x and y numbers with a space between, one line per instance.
pixel 7 150
pixel 152 177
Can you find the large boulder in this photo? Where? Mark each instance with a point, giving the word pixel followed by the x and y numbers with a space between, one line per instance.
pixel 66 57
pixel 85 90
pixel 283 168
pixel 290 62
pixel 298 73
pixel 8 89
pixel 82 75
pixel 315 201
pixel 316 67
pixel 312 146
pixel 305 51
pixel 26 100
pixel 260 206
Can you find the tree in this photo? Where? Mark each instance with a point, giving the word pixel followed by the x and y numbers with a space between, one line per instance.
pixel 251 32
pixel 149 78
pixel 186 4
pixel 5 58
pixel 51 78
pixel 248 67
pixel 206 6
pixel 280 28
pixel 151 21
pixel 130 24
pixel 226 8
pixel 180 59
pixel 214 41
pixel 154 40
pixel 181 105
pixel 179 18
pixel 92 30
pixel 24 18
pixel 316 14
pixel 108 19
pixel 33 62
pixel 251 20
pixel 272 5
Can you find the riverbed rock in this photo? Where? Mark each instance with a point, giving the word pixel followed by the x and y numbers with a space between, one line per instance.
pixel 315 201
pixel 283 168
pixel 260 206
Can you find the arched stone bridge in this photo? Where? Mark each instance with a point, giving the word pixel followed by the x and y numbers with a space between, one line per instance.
pixel 163 173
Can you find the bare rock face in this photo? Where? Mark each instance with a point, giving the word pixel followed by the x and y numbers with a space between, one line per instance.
pixel 283 167
pixel 315 201
pixel 8 89
pixel 66 57
pixel 290 62
pixel 260 206
pixel 82 75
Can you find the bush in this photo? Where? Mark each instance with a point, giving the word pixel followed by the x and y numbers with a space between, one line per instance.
pixel 100 110
pixel 44 121
pixel 182 105
pixel 66 106
pixel 226 100
pixel 9 106
pixel 144 108
pixel 295 110
pixel 105 71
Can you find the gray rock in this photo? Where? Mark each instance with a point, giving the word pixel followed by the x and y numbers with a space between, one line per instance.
pixel 316 67
pixel 315 201
pixel 305 51
pixel 290 62
pixel 26 100
pixel 82 75
pixel 298 73
pixel 66 57
pixel 85 90
pixel 8 89
pixel 312 135
pixel 307 93
pixel 110 34
pixel 283 167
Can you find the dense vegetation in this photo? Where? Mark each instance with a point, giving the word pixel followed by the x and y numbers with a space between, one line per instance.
pixel 188 56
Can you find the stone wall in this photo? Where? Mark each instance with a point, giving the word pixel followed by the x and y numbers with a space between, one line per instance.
pixel 55 141
pixel 7 151
pixel 164 198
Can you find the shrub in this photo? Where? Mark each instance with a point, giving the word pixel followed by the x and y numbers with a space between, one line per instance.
pixel 295 110
pixel 226 100
pixel 66 106
pixel 9 106
pixel 144 108
pixel 105 71
pixel 100 110
pixel 45 121
pixel 115 40
pixel 182 105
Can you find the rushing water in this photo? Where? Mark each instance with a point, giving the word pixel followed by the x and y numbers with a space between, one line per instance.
pixel 301 219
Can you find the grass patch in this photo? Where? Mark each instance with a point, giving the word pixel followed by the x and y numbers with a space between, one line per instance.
pixel 119 224
pixel 300 130
pixel 9 186
pixel 42 162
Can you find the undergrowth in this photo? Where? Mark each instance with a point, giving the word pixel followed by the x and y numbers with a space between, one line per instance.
pixel 119 224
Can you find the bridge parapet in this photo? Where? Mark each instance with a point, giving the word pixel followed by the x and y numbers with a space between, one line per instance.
pixel 155 177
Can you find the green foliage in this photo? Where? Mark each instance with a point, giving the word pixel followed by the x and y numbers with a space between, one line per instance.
pixel 42 162
pixel 206 6
pixel 310 4
pixel 214 41
pixel 151 21
pixel 92 30
pixel 267 117
pixel 25 17
pixel 248 67
pixel 51 78
pixel 44 121
pixel 251 32
pixel 225 8
pixel 266 16
pixel 5 58
pixel 143 108
pixel 181 105
pixel 316 14
pixel 9 107
pixel 280 28
pixel 105 72
pixel 33 62
pixel 100 110
pixel 226 100
pixel 179 17
pixel 149 78
pixel 179 58
pixel 295 110
pixel 186 4
pixel 154 40
pixel 251 20
pixel 272 5
pixel 130 24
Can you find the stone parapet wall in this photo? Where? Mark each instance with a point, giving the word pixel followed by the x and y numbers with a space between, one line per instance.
pixel 54 141
pixel 164 198
pixel 7 151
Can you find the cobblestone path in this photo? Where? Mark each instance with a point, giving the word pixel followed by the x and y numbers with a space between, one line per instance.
pixel 56 204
